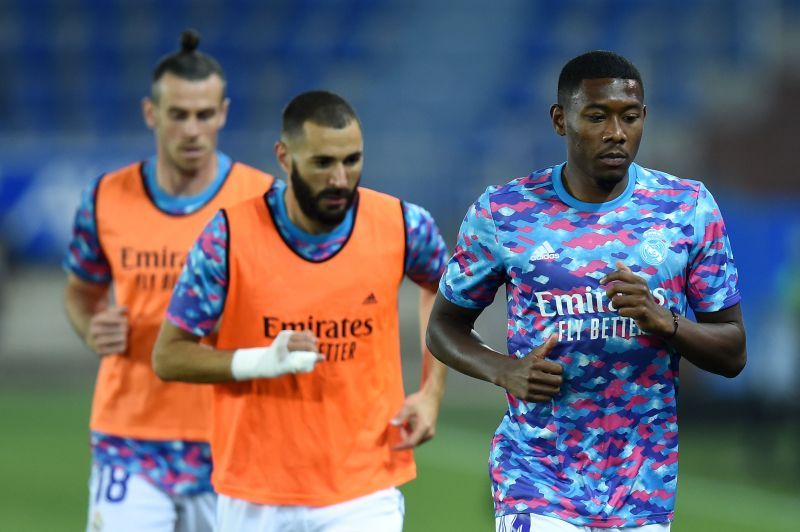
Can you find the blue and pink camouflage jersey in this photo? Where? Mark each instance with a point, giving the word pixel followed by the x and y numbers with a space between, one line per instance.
pixel 85 256
pixel 181 468
pixel 604 452
pixel 199 296
pixel 175 467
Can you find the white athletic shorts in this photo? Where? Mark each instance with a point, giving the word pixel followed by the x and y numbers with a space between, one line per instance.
pixel 541 523
pixel 380 511
pixel 123 502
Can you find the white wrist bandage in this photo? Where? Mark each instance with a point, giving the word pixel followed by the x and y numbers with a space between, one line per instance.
pixel 272 361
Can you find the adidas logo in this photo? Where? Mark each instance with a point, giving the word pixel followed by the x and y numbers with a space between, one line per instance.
pixel 370 300
pixel 545 252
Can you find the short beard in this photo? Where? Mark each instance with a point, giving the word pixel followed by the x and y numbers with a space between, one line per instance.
pixel 310 203
pixel 608 183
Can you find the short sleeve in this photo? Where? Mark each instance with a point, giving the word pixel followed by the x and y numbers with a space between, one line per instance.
pixel 426 251
pixel 199 295
pixel 713 282
pixel 85 257
pixel 476 269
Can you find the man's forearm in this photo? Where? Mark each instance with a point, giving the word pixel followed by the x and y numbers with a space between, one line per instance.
pixel 715 347
pixel 83 300
pixel 178 355
pixel 77 314
pixel 101 326
pixel 464 352
pixel 452 340
pixel 177 358
pixel 434 373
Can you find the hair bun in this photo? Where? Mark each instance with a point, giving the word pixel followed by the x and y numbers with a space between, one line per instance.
pixel 189 41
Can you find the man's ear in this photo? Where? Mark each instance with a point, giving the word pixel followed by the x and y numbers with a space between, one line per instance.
pixel 224 114
pixel 149 112
pixel 283 157
pixel 558 118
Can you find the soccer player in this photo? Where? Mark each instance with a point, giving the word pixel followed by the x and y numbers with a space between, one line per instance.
pixel 151 460
pixel 600 258
pixel 305 280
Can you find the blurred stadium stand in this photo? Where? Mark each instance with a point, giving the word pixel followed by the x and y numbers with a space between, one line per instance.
pixel 454 95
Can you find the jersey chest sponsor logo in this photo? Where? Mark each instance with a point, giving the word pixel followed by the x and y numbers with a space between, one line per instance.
pixel 151 269
pixel 338 338
pixel 578 316
pixel 654 247
pixel 587 301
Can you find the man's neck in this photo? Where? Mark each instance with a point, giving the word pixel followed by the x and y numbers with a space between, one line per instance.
pixel 590 190
pixel 177 183
pixel 298 217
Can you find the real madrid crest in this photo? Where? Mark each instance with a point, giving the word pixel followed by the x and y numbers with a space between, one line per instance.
pixel 654 247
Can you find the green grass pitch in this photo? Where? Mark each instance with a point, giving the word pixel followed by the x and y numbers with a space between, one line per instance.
pixel 44 457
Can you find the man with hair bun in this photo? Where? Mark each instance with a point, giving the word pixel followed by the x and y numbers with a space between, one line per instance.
pixel 151 462
pixel 323 448
pixel 600 259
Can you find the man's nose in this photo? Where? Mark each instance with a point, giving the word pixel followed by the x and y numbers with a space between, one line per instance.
pixel 191 127
pixel 614 132
pixel 338 177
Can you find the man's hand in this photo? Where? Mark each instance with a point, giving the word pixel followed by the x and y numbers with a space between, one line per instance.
pixel 632 298
pixel 417 419
pixel 533 378
pixel 291 352
pixel 108 331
